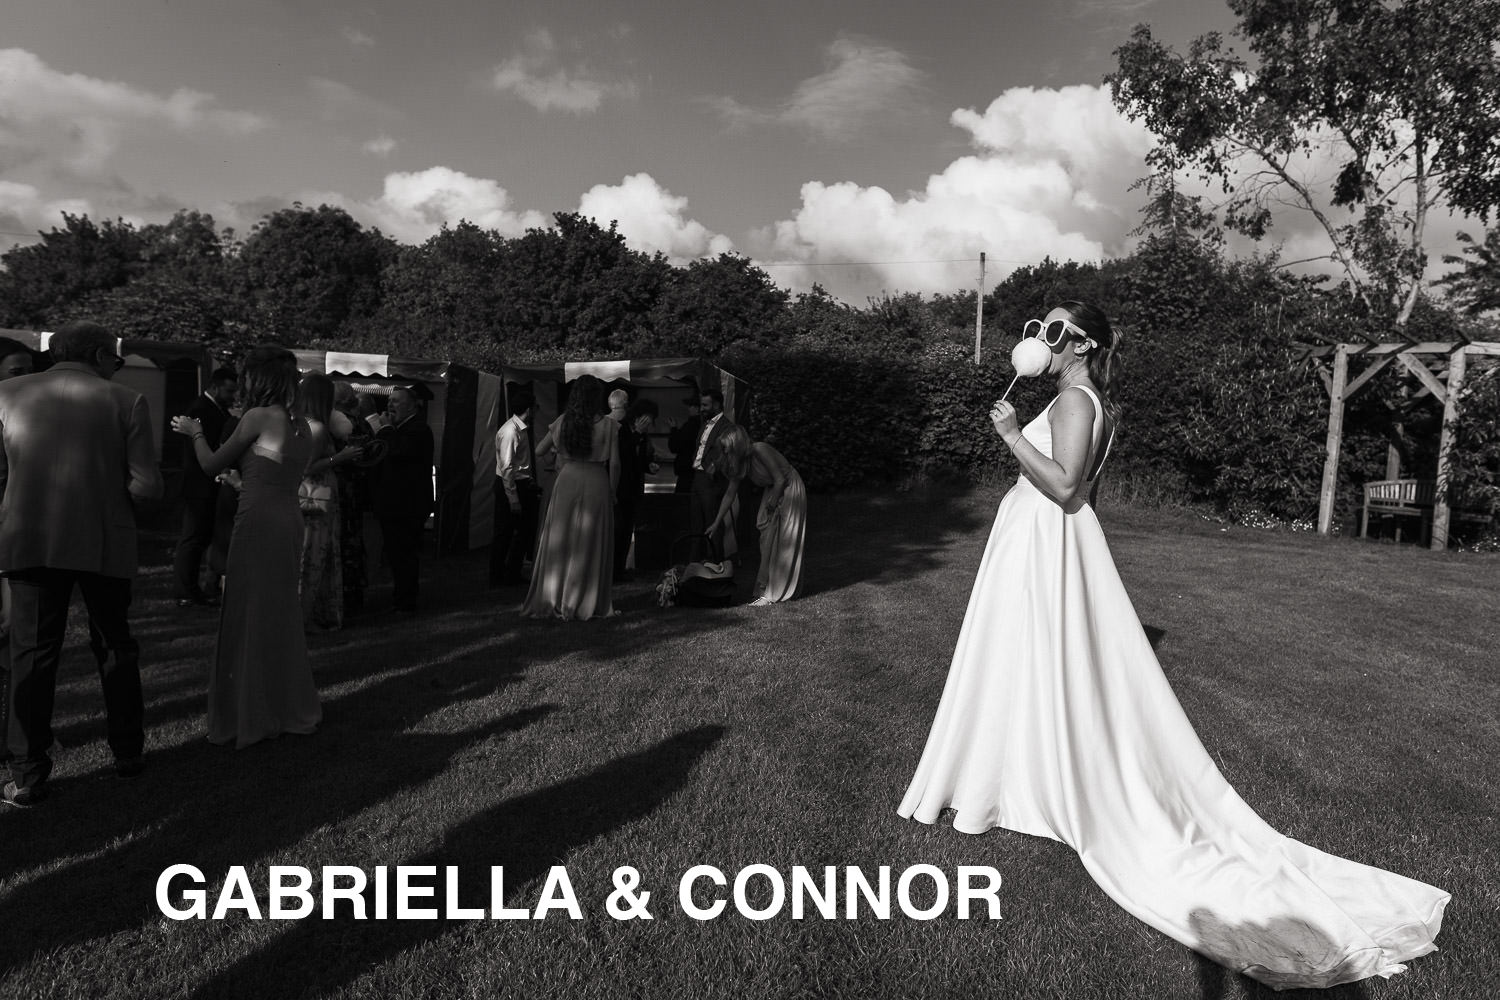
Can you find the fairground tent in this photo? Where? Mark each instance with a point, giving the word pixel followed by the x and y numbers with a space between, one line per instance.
pixel 464 415
pixel 669 382
pixel 170 376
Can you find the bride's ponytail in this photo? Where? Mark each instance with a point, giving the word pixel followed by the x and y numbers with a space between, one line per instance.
pixel 1102 358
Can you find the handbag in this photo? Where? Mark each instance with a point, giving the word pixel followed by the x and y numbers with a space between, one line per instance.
pixel 314 497
pixel 706 584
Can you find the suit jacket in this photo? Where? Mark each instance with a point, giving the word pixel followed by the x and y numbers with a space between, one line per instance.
pixel 75 448
pixel 403 485
pixel 684 444
pixel 632 473
pixel 195 483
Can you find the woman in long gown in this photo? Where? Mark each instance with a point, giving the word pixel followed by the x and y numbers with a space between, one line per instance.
pixel 1057 721
pixel 574 564
pixel 261 684
pixel 781 518
pixel 322 579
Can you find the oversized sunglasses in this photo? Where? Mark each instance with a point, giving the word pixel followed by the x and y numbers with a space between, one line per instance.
pixel 1055 332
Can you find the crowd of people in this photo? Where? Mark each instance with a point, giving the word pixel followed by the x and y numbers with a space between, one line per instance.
pixel 279 471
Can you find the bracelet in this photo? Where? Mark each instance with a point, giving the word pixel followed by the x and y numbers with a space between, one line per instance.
pixel 197 436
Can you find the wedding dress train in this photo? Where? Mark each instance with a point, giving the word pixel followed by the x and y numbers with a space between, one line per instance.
pixel 1057 721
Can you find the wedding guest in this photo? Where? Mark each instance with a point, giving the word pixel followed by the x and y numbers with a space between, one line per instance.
pixel 1057 721
pixel 15 359
pixel 200 492
pixel 352 433
pixel 517 496
pixel 619 401
pixel 574 560
pixel 76 453
pixel 781 520
pixel 225 505
pixel 709 485
pixel 402 489
pixel 261 683
pixel 683 442
pixel 636 458
pixel 322 586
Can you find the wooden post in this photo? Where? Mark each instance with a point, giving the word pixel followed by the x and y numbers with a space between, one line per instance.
pixel 1335 437
pixel 1457 364
pixel 979 310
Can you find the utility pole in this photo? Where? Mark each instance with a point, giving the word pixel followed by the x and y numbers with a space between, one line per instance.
pixel 979 310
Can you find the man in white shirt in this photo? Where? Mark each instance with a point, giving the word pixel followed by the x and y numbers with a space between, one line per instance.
pixel 517 495
pixel 709 484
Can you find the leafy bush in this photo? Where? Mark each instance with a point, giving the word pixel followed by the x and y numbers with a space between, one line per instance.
pixel 1473 481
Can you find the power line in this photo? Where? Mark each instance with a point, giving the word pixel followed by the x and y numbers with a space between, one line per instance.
pixel 882 263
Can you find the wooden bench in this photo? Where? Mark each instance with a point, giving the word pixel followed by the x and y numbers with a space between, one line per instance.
pixel 1399 498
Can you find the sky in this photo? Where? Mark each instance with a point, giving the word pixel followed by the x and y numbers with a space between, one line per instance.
pixel 870 147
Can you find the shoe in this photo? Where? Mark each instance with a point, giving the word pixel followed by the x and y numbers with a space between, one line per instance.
pixel 197 602
pixel 129 767
pixel 761 602
pixel 22 798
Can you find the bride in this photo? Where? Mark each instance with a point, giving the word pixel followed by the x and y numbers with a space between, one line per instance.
pixel 1056 720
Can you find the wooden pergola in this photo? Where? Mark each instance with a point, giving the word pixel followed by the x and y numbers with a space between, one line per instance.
pixel 1438 367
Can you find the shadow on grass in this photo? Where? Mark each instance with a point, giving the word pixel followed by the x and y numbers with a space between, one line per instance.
pixel 1154 635
pixel 83 865
pixel 213 805
pixel 885 538
pixel 526 835
pixel 1242 944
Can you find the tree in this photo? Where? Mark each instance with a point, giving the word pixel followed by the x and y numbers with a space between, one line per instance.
pixel 442 295
pixel 310 273
pixel 577 289
pixel 66 266
pixel 1477 286
pixel 712 305
pixel 1404 96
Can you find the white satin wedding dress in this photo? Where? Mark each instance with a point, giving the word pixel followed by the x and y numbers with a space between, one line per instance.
pixel 1057 721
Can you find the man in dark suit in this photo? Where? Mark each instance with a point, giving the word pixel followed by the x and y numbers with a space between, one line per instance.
pixel 684 444
pixel 76 452
pixel 200 492
pixel 709 484
pixel 403 489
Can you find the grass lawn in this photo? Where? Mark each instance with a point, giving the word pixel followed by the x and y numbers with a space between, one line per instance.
pixel 1348 690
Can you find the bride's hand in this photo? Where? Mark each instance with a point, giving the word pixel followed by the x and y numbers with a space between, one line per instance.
pixel 187 425
pixel 1003 416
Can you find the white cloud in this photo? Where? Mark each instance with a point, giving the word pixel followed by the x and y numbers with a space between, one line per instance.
pixel 651 219
pixel 536 74
pixel 414 206
pixel 357 38
pixel 79 121
pixel 864 80
pixel 1049 177
pixel 382 146
pixel 24 209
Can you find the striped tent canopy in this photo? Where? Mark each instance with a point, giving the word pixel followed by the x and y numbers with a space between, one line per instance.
pixel 464 414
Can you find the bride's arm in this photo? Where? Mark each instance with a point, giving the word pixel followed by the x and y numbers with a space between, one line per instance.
pixel 1072 420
